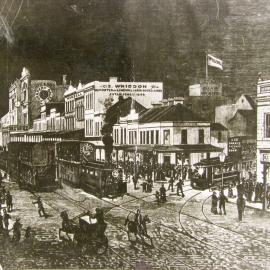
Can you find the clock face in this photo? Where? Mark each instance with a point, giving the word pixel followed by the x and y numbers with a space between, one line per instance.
pixel 43 94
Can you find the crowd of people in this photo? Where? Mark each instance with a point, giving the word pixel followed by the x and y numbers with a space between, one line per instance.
pixel 11 231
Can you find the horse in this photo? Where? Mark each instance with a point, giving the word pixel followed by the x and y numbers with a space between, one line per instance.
pixel 138 229
pixel 68 227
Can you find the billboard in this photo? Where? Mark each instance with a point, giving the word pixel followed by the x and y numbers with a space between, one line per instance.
pixel 145 93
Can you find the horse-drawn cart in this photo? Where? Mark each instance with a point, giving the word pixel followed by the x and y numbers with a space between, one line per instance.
pixel 87 236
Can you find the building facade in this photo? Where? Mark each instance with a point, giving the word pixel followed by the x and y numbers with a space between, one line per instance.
pixel 169 130
pixel 263 131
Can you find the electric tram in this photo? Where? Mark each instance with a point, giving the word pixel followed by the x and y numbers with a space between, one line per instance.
pixel 213 173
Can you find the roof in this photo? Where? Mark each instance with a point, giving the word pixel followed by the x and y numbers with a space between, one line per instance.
pixel 249 114
pixel 250 101
pixel 217 127
pixel 59 106
pixel 122 109
pixel 173 113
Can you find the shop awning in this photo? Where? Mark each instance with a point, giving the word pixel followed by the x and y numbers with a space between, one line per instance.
pixel 186 148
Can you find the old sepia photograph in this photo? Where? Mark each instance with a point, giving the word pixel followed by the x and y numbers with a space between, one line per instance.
pixel 135 134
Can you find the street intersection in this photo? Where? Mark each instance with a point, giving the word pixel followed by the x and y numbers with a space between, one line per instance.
pixel 186 235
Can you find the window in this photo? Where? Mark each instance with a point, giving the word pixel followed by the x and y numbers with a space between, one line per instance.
pixel 147 137
pixel 144 137
pixel 219 136
pixel 141 137
pixel 201 136
pixel 125 135
pixel 157 136
pixel 152 136
pixel 166 137
pixel 121 140
pixel 204 107
pixel 135 137
pixel 267 125
pixel 184 136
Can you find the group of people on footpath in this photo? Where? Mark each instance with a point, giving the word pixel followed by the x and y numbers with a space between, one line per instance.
pixel 221 200
pixel 161 196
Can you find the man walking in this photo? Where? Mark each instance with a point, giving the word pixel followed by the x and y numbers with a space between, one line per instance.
pixel 41 209
pixel 241 203
pixel 222 201
pixel 171 181
pixel 9 201
pixel 162 192
pixel 179 186
pixel 6 218
pixel 17 226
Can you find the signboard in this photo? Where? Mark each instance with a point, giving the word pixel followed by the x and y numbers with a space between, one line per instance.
pixel 235 147
pixel 265 89
pixel 265 157
pixel 145 93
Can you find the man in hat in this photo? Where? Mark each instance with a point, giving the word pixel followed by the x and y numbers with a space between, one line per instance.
pixel 9 201
pixel 41 209
pixel 222 202
pixel 179 186
pixel 17 226
pixel 241 203
pixel 162 192
pixel 6 218
pixel 214 203
pixel 171 181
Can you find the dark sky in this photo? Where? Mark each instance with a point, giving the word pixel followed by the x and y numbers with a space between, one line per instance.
pixel 156 40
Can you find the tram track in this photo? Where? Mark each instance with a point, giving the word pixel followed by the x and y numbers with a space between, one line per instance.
pixel 186 233
pixel 259 239
pixel 122 228
pixel 181 212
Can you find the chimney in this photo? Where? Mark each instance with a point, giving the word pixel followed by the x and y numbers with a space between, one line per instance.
pixel 178 100
pixel 64 79
pixel 113 79
pixel 164 102
pixel 170 101
pixel 156 104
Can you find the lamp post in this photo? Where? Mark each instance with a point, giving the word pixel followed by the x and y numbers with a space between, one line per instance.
pixel 154 163
pixel 222 157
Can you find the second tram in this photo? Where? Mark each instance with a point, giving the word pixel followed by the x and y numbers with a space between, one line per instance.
pixel 211 173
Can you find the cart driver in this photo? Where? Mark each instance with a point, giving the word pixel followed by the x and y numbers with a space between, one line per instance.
pixel 99 215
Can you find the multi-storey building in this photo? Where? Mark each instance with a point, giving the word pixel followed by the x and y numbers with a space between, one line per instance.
pixel 263 131
pixel 168 129
pixel 98 94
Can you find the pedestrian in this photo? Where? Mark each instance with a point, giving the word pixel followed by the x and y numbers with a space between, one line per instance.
pixel 157 197
pixel 268 197
pixel 9 201
pixel 257 192
pixel 230 192
pixel 135 181
pixel 179 186
pixel 214 203
pixel 17 226
pixel 171 181
pixel 6 218
pixel 144 184
pixel 222 202
pixel 41 209
pixel 29 235
pixel 250 190
pixel 1 224
pixel 162 192
pixel 241 203
pixel 138 219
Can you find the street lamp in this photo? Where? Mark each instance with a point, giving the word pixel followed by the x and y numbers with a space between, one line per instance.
pixel 154 163
pixel 222 157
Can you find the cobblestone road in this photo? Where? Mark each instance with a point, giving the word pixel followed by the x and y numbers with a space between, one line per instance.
pixel 192 243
